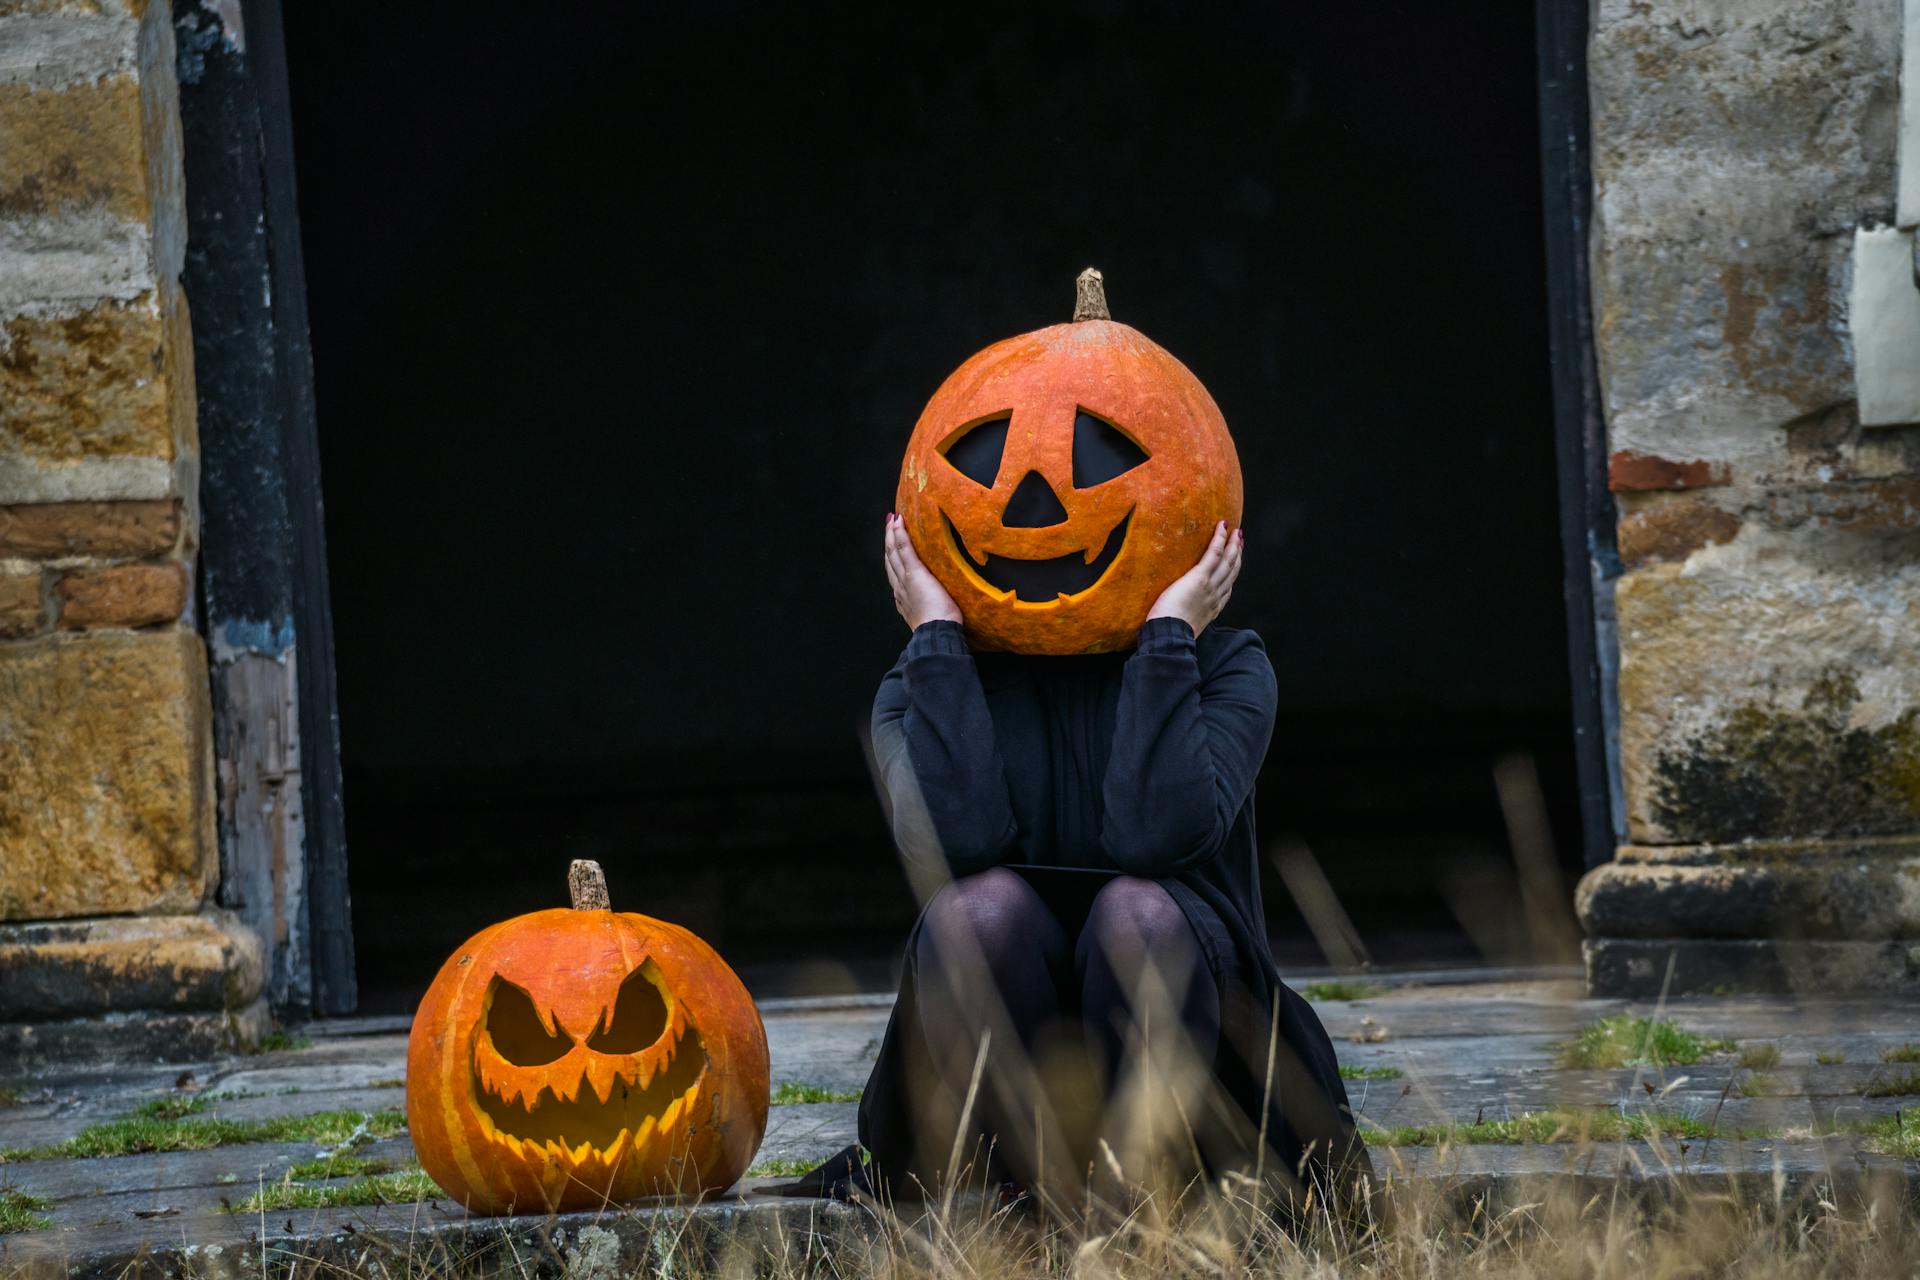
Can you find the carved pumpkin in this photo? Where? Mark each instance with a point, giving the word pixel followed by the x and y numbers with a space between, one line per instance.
pixel 1057 482
pixel 570 1057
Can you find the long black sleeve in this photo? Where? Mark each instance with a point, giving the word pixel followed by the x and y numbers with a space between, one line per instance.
pixel 934 746
pixel 1186 747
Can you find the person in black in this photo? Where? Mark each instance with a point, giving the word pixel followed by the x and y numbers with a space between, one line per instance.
pixel 1082 831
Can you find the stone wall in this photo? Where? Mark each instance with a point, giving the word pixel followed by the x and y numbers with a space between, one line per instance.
pixel 1769 602
pixel 107 858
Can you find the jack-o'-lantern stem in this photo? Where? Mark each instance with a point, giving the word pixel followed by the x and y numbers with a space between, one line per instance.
pixel 588 885
pixel 1090 296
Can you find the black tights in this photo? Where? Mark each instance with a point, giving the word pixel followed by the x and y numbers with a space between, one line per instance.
pixel 993 956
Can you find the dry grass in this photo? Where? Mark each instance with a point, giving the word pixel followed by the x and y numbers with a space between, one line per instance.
pixel 1546 1227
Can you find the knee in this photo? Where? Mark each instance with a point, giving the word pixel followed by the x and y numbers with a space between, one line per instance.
pixel 1130 907
pixel 995 908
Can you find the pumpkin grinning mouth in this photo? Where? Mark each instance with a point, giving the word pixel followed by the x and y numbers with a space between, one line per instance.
pixel 646 1095
pixel 1043 581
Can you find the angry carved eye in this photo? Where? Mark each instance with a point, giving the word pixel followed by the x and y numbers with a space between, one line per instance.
pixel 1101 451
pixel 639 1018
pixel 976 454
pixel 518 1034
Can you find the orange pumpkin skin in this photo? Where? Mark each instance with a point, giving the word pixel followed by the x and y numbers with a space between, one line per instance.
pixel 465 1098
pixel 1189 482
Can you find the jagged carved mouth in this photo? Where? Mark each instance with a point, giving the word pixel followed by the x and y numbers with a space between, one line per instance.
pixel 1041 581
pixel 584 1102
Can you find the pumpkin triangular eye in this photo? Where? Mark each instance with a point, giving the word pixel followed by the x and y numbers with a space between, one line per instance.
pixel 1101 451
pixel 976 455
pixel 639 1017
pixel 517 1032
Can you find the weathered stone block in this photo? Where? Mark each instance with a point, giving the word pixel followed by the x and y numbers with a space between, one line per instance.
pixel 89 385
pixel 78 968
pixel 1837 890
pixel 105 760
pixel 1648 968
pixel 118 530
pixel 128 595
pixel 1735 148
pixel 79 146
pixel 23 609
pixel 161 1036
pixel 1770 688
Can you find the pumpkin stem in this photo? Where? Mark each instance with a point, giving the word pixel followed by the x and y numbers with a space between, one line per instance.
pixel 588 884
pixel 1090 296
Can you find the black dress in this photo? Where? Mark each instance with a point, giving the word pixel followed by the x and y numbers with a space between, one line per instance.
pixel 1141 763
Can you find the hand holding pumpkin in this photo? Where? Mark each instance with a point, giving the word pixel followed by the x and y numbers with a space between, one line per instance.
pixel 1198 595
pixel 917 594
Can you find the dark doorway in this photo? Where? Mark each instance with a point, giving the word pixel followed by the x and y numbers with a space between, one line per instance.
pixel 620 322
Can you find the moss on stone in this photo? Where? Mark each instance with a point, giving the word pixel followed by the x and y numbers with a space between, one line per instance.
pixel 166 1125
pixel 402 1186
pixel 792 1094
pixel 1564 1124
pixel 1622 1040
pixel 21 1212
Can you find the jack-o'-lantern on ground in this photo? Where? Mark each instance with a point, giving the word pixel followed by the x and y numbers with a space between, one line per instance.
pixel 1059 481
pixel 571 1057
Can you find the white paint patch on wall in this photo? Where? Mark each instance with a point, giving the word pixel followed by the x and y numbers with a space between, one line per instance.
pixel 1886 326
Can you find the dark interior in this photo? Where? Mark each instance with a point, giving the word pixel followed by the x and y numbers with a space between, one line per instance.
pixel 621 320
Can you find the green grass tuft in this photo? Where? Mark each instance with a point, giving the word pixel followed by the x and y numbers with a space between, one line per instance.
pixel 1759 1056
pixel 1559 1125
pixel 1893 1086
pixel 388 1082
pixel 1621 1040
pixel 1759 1085
pixel 283 1042
pixel 1901 1053
pixel 1894 1135
pixel 1369 1073
pixel 188 1131
pixel 403 1186
pixel 1339 990
pixel 781 1168
pixel 9 1096
pixel 344 1165
pixel 21 1212
pixel 1829 1057
pixel 791 1094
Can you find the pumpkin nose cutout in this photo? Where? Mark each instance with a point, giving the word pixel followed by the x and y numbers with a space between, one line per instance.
pixel 1033 505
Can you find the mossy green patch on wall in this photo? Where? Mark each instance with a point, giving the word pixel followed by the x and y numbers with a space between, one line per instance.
pixel 1763 770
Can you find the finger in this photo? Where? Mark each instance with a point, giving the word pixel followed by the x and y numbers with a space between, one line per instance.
pixel 1216 547
pixel 1228 567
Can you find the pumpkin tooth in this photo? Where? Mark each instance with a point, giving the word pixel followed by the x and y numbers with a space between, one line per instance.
pixel 644 1132
pixel 671 1114
pixel 599 1075
pixel 611 1156
pixel 580 1153
pixel 643 1072
pixel 555 1151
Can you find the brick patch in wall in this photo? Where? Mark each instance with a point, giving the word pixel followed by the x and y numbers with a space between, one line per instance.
pixel 122 530
pixel 22 611
pixel 1629 472
pixel 130 595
